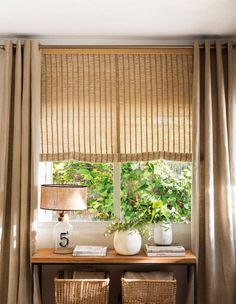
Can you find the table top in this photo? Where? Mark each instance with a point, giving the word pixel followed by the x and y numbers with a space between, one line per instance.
pixel 46 256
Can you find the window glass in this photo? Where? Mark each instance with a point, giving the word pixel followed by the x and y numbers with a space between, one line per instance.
pixel 98 177
pixel 144 183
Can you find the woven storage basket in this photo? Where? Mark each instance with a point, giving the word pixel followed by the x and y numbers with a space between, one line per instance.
pixel 147 291
pixel 81 291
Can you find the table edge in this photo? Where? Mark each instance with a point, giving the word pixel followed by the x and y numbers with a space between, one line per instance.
pixel 115 260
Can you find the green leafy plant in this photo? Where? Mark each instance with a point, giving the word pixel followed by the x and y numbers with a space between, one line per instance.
pixel 98 177
pixel 161 213
pixel 144 183
pixel 139 224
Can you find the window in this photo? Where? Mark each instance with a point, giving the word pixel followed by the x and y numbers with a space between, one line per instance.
pixel 123 189
pixel 115 111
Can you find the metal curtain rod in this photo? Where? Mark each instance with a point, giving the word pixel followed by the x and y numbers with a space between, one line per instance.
pixel 44 46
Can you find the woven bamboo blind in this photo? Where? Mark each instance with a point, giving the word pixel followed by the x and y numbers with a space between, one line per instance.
pixel 116 105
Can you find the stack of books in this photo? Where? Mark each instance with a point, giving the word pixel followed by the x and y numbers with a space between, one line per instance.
pixel 90 251
pixel 174 250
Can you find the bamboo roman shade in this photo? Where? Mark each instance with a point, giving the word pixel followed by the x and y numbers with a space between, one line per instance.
pixel 116 105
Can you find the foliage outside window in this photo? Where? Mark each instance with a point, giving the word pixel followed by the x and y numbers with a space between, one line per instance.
pixel 143 185
pixel 98 177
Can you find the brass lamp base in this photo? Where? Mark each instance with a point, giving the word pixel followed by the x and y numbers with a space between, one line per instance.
pixel 63 250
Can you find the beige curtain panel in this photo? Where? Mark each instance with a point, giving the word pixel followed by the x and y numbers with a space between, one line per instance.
pixel 214 172
pixel 19 156
pixel 116 105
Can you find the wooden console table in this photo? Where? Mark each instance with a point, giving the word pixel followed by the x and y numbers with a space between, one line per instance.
pixel 45 256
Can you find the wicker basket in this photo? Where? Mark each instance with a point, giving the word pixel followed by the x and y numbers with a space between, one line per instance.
pixel 81 291
pixel 140 291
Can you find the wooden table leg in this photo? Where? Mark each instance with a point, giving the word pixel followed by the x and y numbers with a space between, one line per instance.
pixel 195 283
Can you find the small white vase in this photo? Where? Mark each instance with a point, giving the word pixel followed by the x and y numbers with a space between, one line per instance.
pixel 163 234
pixel 127 242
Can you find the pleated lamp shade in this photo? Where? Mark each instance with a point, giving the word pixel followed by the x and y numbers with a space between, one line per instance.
pixel 63 197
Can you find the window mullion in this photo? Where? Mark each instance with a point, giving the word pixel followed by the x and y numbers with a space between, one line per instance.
pixel 117 189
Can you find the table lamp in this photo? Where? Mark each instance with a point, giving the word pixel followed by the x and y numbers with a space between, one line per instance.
pixel 63 198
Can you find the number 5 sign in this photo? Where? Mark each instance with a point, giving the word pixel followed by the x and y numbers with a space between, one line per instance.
pixel 64 239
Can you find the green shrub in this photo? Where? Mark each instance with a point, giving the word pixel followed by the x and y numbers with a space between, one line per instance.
pixel 97 177
pixel 142 184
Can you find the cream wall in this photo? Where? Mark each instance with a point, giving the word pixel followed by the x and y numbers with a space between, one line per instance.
pixel 92 233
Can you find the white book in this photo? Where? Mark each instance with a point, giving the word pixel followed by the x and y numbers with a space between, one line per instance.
pixel 90 251
pixel 165 254
pixel 89 254
pixel 164 249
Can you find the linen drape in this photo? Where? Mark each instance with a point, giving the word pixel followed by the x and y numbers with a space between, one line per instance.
pixel 116 105
pixel 19 158
pixel 214 172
